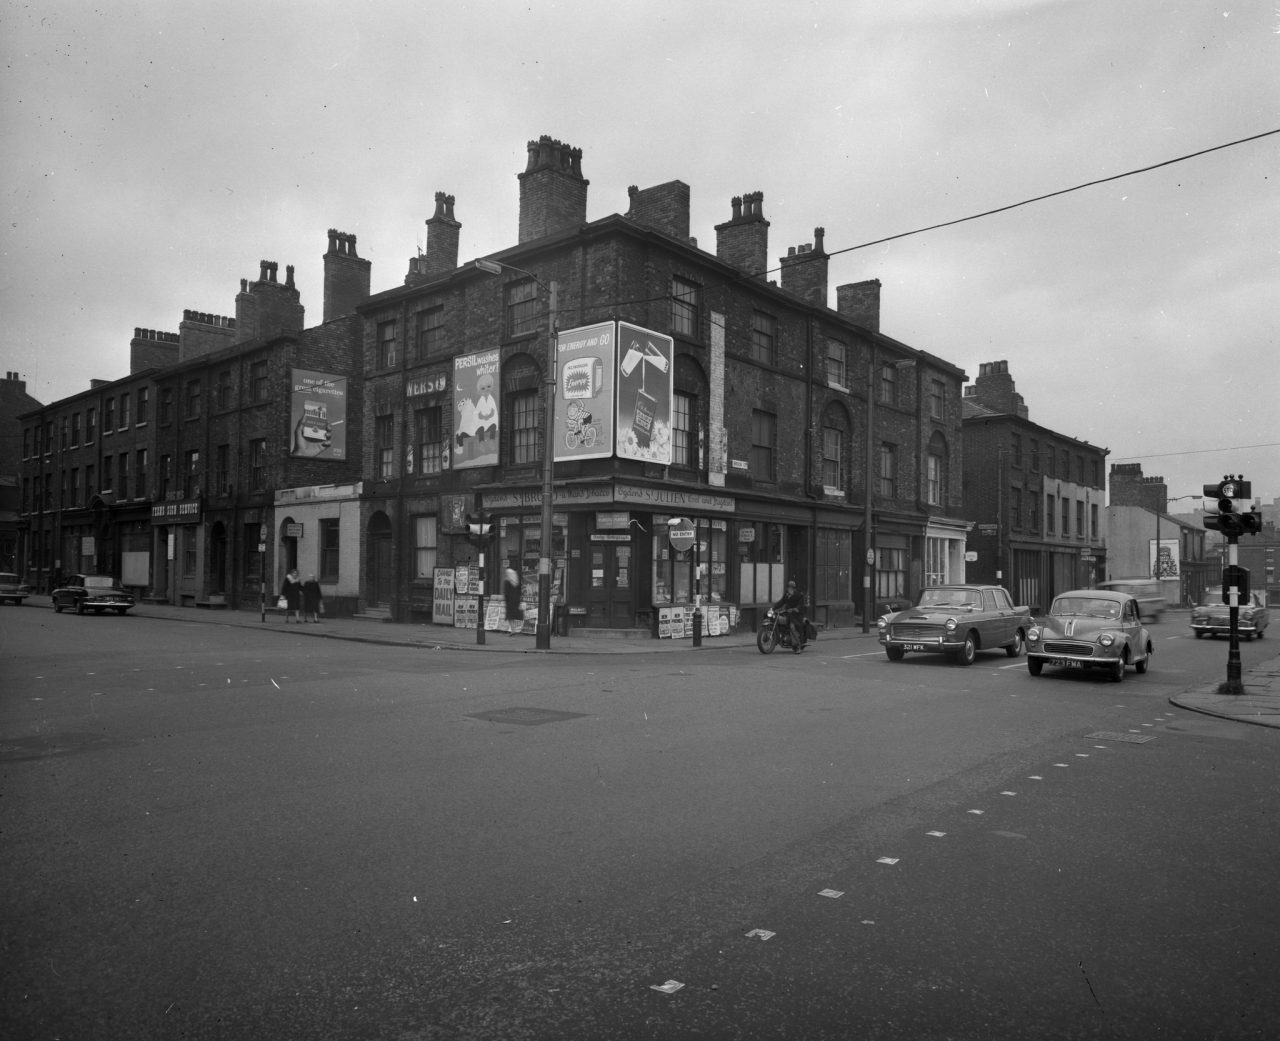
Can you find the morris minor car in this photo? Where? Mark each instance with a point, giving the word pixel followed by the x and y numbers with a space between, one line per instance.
pixel 1213 617
pixel 96 593
pixel 1091 629
pixel 958 620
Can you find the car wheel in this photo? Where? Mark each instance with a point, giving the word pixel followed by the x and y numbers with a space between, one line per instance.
pixel 121 611
pixel 57 607
pixel 968 651
pixel 1117 670
pixel 80 607
pixel 1015 649
pixel 1199 635
pixel 1035 666
pixel 1142 664
pixel 895 653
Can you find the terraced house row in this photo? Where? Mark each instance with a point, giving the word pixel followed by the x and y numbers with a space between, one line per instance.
pixel 688 389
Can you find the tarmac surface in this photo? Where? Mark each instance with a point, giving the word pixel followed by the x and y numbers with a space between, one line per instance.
pixel 1259 704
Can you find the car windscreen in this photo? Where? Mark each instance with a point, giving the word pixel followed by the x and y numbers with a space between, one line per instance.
pixel 1084 607
pixel 950 598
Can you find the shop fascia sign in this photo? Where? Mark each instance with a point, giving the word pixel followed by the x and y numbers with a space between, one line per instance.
pixel 669 499
pixel 176 511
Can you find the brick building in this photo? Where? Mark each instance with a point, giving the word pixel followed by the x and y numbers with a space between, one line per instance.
pixel 752 427
pixel 172 478
pixel 14 402
pixel 1036 497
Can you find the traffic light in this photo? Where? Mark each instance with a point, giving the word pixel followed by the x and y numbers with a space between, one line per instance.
pixel 1251 522
pixel 1227 520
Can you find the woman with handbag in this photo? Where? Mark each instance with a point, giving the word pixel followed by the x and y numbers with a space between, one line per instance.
pixel 291 594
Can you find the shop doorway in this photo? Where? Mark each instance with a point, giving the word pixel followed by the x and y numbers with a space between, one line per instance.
pixel 610 589
pixel 218 559
pixel 381 574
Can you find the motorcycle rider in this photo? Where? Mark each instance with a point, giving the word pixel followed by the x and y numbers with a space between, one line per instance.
pixel 791 607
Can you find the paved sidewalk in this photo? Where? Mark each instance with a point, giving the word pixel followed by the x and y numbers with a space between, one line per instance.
pixel 1259 704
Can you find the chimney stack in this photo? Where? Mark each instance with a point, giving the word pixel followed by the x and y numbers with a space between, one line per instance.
pixel 441 256
pixel 994 389
pixel 152 350
pixel 266 308
pixel 859 302
pixel 804 270
pixel 346 276
pixel 553 192
pixel 664 208
pixel 743 240
pixel 201 333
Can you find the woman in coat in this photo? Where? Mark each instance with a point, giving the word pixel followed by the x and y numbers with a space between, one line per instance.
pixel 311 600
pixel 291 590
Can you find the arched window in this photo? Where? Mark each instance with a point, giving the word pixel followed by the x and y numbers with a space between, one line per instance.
pixel 522 410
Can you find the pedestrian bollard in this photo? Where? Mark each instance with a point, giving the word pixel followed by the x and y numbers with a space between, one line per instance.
pixel 697 627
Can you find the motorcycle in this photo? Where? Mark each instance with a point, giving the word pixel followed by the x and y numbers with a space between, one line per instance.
pixel 774 632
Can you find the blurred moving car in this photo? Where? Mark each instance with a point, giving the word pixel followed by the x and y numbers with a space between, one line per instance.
pixel 96 593
pixel 958 620
pixel 1147 591
pixel 1091 629
pixel 13 589
pixel 1213 617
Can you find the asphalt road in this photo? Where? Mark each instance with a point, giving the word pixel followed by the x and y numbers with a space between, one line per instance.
pixel 225 833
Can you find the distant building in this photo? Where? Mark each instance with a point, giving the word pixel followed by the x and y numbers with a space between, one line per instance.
pixel 14 401
pixel 1035 496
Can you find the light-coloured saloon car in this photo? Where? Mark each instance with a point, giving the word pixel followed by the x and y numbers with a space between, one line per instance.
pixel 1091 629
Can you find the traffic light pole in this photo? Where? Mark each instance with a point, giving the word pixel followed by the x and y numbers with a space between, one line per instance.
pixel 1235 682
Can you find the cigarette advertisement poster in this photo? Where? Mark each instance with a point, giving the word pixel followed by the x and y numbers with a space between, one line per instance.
pixel 475 406
pixel 585 360
pixel 646 374
pixel 318 415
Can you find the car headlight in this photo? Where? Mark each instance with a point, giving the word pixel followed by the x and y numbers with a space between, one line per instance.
pixel 1106 639
pixel 882 624
pixel 951 625
pixel 1033 636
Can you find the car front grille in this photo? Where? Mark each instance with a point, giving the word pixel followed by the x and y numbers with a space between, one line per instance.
pixel 1081 650
pixel 914 631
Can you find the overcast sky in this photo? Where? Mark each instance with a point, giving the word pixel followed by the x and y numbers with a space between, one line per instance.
pixel 155 152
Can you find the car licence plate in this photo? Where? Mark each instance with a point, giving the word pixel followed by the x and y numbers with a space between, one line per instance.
pixel 1068 663
pixel 917 646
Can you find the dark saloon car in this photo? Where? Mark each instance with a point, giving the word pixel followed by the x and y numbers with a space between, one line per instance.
pixel 1213 617
pixel 958 621
pixel 1091 629
pixel 13 589
pixel 96 593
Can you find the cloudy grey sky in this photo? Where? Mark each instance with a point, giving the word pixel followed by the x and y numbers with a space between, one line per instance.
pixel 154 152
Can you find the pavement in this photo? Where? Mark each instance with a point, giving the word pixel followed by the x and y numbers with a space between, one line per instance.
pixel 1259 704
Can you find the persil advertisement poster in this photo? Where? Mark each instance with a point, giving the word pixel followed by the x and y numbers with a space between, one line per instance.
pixel 318 415
pixel 585 360
pixel 475 408
pixel 646 376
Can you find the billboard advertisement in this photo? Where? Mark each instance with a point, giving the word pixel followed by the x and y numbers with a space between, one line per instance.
pixel 318 415
pixel 475 407
pixel 1164 559
pixel 585 360
pixel 646 374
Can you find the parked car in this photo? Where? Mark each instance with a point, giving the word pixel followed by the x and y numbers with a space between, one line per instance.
pixel 13 589
pixel 96 593
pixel 958 620
pixel 1091 629
pixel 1150 596
pixel 1213 617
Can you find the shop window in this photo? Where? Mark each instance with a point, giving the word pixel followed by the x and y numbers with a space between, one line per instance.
pixel 891 573
pixel 833 565
pixel 252 557
pixel 189 533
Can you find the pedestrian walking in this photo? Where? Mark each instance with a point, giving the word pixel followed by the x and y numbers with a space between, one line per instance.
pixel 511 592
pixel 312 600
pixel 291 593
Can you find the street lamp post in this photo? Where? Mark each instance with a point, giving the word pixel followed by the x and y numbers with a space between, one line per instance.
pixel 542 634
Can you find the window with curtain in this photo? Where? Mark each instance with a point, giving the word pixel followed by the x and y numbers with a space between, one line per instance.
pixel 523 416
pixel 764 442
pixel 424 546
